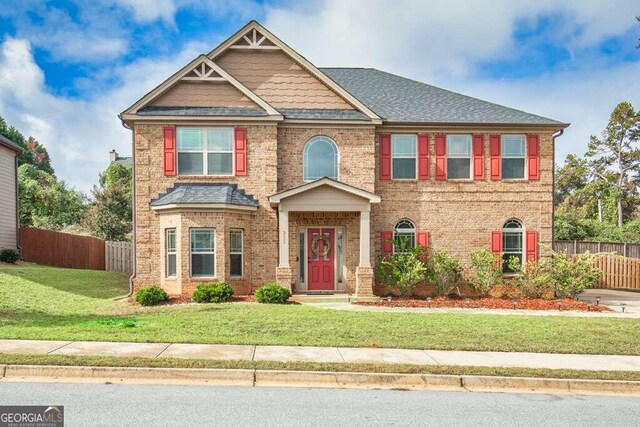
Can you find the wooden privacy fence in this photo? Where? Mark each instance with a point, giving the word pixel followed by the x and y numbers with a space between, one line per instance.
pixel 618 272
pixel 61 249
pixel 119 256
pixel 576 247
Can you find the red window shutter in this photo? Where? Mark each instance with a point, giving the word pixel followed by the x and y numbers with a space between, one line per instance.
pixel 169 136
pixel 385 156
pixel 441 157
pixel 496 242
pixel 423 240
pixel 532 246
pixel 533 156
pixel 478 157
pixel 386 243
pixel 496 160
pixel 423 156
pixel 240 136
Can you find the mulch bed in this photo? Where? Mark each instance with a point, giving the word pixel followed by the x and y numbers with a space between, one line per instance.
pixel 566 304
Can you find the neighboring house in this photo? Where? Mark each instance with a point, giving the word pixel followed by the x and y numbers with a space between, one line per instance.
pixel 115 158
pixel 9 152
pixel 251 165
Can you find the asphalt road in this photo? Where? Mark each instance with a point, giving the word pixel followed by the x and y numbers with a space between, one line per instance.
pixel 152 405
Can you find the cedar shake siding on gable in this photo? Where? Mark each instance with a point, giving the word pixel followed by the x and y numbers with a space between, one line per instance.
pixel 203 94
pixel 276 78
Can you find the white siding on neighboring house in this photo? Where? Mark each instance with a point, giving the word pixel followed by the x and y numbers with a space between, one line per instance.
pixel 8 225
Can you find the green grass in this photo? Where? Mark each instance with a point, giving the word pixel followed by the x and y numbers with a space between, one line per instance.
pixel 60 360
pixel 58 304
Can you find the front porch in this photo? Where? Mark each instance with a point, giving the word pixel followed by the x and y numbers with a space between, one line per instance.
pixel 324 243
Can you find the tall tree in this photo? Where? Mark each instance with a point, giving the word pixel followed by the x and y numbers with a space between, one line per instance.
pixel 615 156
pixel 110 216
pixel 46 202
pixel 35 154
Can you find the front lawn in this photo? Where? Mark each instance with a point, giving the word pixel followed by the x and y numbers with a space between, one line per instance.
pixel 39 302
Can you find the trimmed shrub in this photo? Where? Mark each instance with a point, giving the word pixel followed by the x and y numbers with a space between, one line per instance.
pixel 533 279
pixel 572 276
pixel 151 295
pixel 272 293
pixel 444 272
pixel 487 272
pixel 9 255
pixel 212 292
pixel 402 272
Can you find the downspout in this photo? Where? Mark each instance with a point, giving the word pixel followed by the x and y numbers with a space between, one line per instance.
pixel 17 207
pixel 133 206
pixel 553 185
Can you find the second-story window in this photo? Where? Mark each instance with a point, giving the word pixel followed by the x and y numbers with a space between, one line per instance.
pixel 513 156
pixel 458 156
pixel 403 156
pixel 205 151
pixel 320 159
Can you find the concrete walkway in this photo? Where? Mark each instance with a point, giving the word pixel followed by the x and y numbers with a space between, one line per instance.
pixel 323 354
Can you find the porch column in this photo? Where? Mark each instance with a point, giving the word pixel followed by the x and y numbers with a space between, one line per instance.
pixel 364 272
pixel 283 232
pixel 284 275
pixel 365 239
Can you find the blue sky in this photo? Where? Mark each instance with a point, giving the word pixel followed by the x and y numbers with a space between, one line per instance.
pixel 68 67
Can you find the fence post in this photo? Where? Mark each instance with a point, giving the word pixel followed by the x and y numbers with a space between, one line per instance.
pixel 575 247
pixel 599 247
pixel 625 249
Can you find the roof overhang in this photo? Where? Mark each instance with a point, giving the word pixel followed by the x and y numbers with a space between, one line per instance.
pixel 217 207
pixel 276 199
pixel 6 142
pixel 441 126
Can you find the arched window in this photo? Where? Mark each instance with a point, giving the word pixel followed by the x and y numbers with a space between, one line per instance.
pixel 404 235
pixel 320 159
pixel 512 243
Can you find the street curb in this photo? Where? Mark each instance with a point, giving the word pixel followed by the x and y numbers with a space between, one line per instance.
pixel 240 377
pixel 282 378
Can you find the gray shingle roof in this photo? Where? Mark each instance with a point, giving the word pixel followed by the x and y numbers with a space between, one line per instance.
pixel 323 114
pixel 124 161
pixel 218 193
pixel 202 111
pixel 398 99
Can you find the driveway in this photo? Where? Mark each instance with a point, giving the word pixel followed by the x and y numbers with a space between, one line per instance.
pixel 613 299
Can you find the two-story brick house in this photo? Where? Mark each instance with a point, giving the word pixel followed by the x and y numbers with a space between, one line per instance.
pixel 251 165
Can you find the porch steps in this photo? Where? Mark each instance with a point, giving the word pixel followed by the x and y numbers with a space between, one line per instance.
pixel 329 298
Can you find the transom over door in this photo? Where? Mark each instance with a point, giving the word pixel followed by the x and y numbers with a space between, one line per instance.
pixel 320 259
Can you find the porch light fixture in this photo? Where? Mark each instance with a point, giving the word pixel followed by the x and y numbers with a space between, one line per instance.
pixel 623 306
pixel 597 300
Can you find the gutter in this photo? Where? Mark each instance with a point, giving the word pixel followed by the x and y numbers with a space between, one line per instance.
pixel 17 206
pixel 553 185
pixel 133 206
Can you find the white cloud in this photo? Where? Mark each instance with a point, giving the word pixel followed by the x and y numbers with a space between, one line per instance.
pixel 151 10
pixel 77 133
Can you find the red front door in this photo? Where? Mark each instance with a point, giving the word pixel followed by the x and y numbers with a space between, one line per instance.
pixel 320 257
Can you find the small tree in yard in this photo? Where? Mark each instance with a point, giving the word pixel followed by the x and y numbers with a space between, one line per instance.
pixel 533 279
pixel 444 272
pixel 487 270
pixel 403 271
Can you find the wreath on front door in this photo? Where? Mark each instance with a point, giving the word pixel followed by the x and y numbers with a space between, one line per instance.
pixel 315 245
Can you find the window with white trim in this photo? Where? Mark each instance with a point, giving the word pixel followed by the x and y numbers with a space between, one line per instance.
pixel 170 242
pixel 512 243
pixel 404 236
pixel 320 159
pixel 404 149
pixel 513 156
pixel 235 253
pixel 202 252
pixel 458 156
pixel 205 151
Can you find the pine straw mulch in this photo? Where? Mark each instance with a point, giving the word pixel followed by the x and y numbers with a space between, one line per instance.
pixel 566 304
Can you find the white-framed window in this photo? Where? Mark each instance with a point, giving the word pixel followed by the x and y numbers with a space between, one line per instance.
pixel 202 243
pixel 170 243
pixel 320 158
pixel 459 157
pixel 205 151
pixel 404 149
pixel 236 246
pixel 404 236
pixel 512 243
pixel 513 156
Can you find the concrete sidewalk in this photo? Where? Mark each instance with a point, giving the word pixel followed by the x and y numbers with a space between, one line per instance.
pixel 323 354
